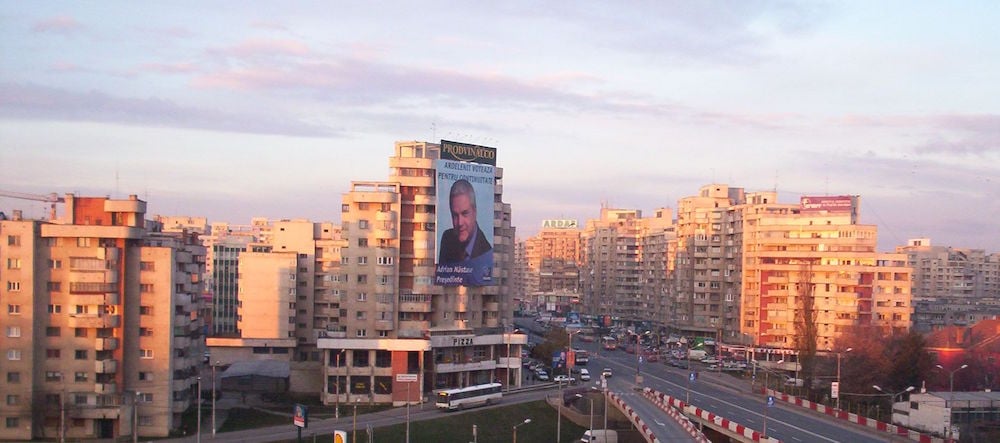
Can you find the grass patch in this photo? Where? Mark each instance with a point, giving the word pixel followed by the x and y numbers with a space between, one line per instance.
pixel 244 418
pixel 494 426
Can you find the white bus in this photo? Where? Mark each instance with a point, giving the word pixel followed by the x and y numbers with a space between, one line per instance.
pixel 469 396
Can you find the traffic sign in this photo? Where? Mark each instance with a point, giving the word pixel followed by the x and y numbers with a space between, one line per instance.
pixel 406 378
pixel 835 389
pixel 770 401
pixel 693 376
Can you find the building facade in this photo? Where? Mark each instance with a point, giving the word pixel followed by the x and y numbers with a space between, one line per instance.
pixel 102 337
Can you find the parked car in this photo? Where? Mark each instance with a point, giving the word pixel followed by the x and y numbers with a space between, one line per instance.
pixel 542 375
pixel 606 373
pixel 584 375
pixel 710 361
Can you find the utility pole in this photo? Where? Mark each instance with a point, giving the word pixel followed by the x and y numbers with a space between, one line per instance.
pixel 135 417
pixel 62 418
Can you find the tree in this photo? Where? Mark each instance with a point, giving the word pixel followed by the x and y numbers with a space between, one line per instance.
pixel 805 324
pixel 909 361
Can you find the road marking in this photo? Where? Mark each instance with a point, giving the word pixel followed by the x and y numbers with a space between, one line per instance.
pixel 659 422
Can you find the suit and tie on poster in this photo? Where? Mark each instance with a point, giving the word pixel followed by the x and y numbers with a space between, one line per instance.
pixel 465 188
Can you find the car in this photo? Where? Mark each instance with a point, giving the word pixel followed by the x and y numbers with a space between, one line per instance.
pixel 710 361
pixel 652 358
pixel 542 375
pixel 564 379
pixel 584 375
pixel 606 373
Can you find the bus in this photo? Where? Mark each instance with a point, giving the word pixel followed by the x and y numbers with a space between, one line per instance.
pixel 609 343
pixel 470 396
pixel 581 358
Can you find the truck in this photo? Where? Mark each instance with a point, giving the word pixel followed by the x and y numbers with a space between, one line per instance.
pixel 599 436
pixel 696 354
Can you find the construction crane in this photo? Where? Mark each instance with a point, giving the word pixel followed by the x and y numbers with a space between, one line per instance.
pixel 51 199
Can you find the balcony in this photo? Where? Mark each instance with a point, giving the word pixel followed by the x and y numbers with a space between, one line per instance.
pixel 385 216
pixel 108 366
pixel 469 366
pixel 385 233
pixel 105 388
pixel 491 306
pixel 106 344
pixel 416 306
pixel 94 412
pixel 94 321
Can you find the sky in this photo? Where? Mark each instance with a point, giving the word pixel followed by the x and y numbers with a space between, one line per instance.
pixel 230 110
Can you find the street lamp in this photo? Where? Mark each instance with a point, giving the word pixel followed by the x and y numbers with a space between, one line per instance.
pixel 213 397
pixel 198 427
pixel 838 374
pixel 591 414
pixel 569 364
pixel 526 421
pixel 892 397
pixel 336 386
pixel 638 347
pixel 354 427
pixel 767 373
pixel 951 391
pixel 508 383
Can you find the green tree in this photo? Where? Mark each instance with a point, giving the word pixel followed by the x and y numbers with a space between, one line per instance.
pixel 909 362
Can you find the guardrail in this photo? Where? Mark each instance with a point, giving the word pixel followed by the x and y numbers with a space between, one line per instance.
pixel 662 401
pixel 632 416
pixel 748 434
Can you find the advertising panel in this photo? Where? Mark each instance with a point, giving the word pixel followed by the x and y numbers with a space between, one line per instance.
pixel 560 224
pixel 829 203
pixel 464 221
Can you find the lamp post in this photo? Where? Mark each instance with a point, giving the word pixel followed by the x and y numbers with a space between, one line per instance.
pixel 569 364
pixel 526 421
pixel 354 427
pixel 951 392
pixel 213 397
pixel 198 427
pixel 838 374
pixel 591 414
pixel 892 400
pixel 336 386
pixel 767 373
pixel 135 418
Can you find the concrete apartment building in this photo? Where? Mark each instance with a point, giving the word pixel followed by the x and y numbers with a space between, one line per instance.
pixel 100 329
pixel 812 269
pixel 658 246
pixel 273 280
pixel 552 261
pixel 394 319
pixel 952 286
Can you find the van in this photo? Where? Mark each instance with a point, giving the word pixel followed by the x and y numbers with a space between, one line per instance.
pixel 697 354
pixel 584 375
pixel 599 436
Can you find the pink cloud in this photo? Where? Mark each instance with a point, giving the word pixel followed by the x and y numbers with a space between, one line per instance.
pixel 59 25
pixel 65 67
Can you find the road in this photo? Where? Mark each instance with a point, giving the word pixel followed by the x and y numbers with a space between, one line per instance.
pixel 729 397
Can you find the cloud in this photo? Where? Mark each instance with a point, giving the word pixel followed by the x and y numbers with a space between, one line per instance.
pixel 58 25
pixel 28 101
pixel 963 135
pixel 169 68
pixel 262 49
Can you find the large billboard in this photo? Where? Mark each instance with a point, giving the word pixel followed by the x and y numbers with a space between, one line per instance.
pixel 829 203
pixel 464 229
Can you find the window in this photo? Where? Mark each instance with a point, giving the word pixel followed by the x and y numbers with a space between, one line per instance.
pixel 12 399
pixel 383 334
pixel 145 310
pixel 53 353
pixel 14 309
pixel 361 333
pixel 362 278
pixel 55 264
pixel 12 422
pixel 13 240
pixel 384 280
pixel 362 224
pixel 13 354
pixel 13 263
pixel 80 354
pixel 384 261
pixel 13 377
pixel 145 376
pixel 362 242
pixel 146 332
pixel 55 309
pixel 361 315
pixel 345 208
pixel 145 420
pixel 362 260
pixel 145 397
pixel 53 331
pixel 146 266
pixel 362 296
pixel 14 286
pixel 145 288
pixel 345 260
pixel 13 331
pixel 79 332
pixel 145 353
pixel 53 375
pixel 80 377
pixel 54 286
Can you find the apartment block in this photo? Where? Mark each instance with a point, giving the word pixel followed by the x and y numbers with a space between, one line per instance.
pixel 102 337
pixel 394 319
pixel 952 286
pixel 552 261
